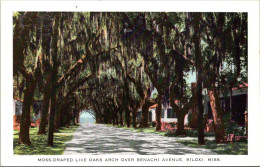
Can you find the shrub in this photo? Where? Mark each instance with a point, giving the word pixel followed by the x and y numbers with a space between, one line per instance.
pixel 169 133
pixel 226 119
pixel 153 123
pixel 189 118
pixel 173 124
pixel 234 128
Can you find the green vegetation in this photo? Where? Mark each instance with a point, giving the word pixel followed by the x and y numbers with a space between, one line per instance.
pixel 235 148
pixel 150 130
pixel 145 130
pixel 39 147
pixel 168 133
pixel 189 133
pixel 113 62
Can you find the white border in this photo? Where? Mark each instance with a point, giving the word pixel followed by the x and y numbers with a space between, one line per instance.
pixel 252 7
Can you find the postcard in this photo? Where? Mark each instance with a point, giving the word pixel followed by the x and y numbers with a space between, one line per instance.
pixel 130 83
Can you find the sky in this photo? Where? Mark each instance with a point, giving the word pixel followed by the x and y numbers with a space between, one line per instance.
pixel 85 117
pixel 191 77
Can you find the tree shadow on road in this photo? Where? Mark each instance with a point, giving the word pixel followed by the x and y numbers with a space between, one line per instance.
pixel 101 139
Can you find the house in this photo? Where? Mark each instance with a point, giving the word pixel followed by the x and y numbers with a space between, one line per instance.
pixel 239 104
pixel 239 107
pixel 17 107
pixel 17 112
pixel 167 114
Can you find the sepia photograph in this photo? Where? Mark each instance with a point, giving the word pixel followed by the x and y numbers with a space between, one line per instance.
pixel 119 87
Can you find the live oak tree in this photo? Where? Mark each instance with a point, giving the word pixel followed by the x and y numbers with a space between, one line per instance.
pixel 25 50
pixel 111 62
pixel 225 36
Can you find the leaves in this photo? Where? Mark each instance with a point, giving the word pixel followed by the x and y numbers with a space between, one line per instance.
pixel 130 53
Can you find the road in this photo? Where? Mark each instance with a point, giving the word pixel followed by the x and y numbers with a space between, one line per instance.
pixel 99 139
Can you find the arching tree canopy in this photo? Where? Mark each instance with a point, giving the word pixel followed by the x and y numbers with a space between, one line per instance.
pixel 112 62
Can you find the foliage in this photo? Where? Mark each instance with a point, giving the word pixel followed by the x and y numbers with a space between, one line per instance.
pixel 155 95
pixel 236 148
pixel 39 147
pixel 111 62
pixel 234 128
pixel 226 119
pixel 189 118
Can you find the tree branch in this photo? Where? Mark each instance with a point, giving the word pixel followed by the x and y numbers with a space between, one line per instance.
pixel 81 82
pixel 188 105
pixel 78 64
pixel 191 62
pixel 154 81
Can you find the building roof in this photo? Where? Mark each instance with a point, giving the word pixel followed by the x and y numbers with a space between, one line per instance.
pixel 17 99
pixel 153 106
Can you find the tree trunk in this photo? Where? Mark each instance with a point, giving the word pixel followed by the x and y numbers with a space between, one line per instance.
pixel 181 112
pixel 57 118
pixel 180 124
pixel 134 117
pixel 60 112
pixel 105 117
pixel 201 110
pixel 110 116
pixel 97 120
pixel 198 65
pixel 53 80
pixel 45 106
pixel 158 112
pixel 194 117
pixel 145 114
pixel 126 103
pixel 74 118
pixel 195 110
pixel 24 136
pixel 68 120
pixel 64 117
pixel 217 116
pixel 44 114
pixel 231 106
pixel 116 118
pixel 97 116
pixel 77 119
pixel 121 117
pixel 127 117
pixel 51 120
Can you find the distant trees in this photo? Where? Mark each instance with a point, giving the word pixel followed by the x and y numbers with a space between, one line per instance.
pixel 112 62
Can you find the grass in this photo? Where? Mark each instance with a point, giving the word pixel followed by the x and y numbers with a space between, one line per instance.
pixel 144 130
pixel 189 132
pixel 235 148
pixel 39 142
